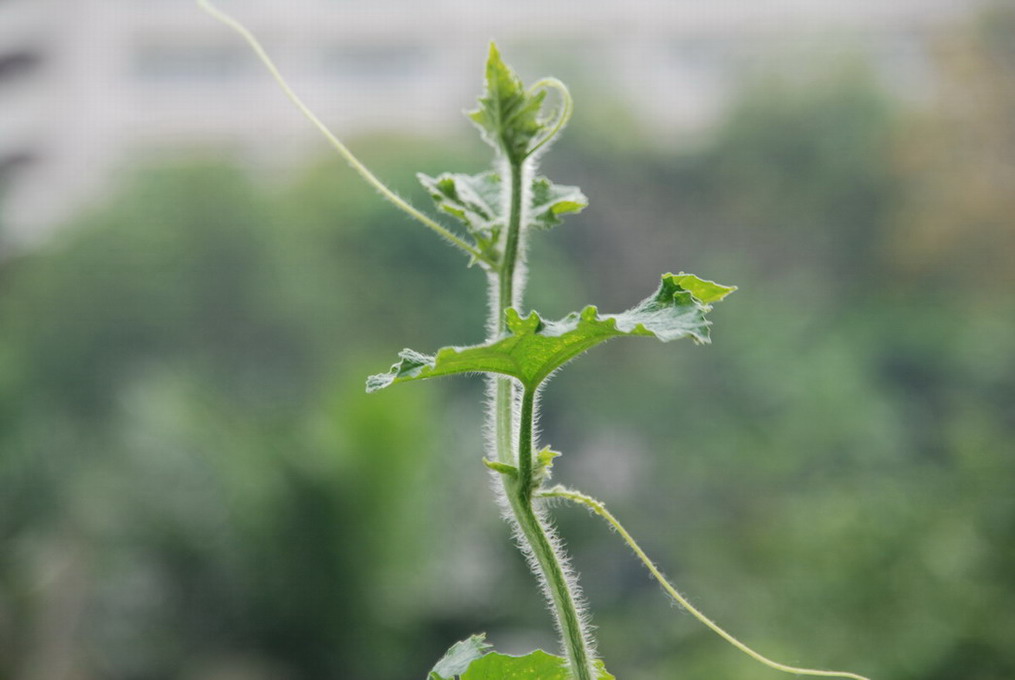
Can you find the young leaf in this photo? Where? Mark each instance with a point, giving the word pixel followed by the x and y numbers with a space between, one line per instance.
pixel 544 465
pixel 503 468
pixel 473 199
pixel 550 200
pixel 476 200
pixel 533 348
pixel 704 290
pixel 457 659
pixel 508 116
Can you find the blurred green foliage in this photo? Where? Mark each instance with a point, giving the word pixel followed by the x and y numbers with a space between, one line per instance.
pixel 194 486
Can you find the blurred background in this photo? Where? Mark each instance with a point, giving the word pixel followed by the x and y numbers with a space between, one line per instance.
pixel 194 486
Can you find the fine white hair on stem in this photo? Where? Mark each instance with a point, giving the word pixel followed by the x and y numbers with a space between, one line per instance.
pixel 570 576
pixel 550 554
pixel 506 403
pixel 560 554
pixel 490 442
pixel 493 285
pixel 521 271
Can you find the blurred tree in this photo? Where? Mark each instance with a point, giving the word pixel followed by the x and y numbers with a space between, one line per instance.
pixel 169 435
pixel 958 221
pixel 806 166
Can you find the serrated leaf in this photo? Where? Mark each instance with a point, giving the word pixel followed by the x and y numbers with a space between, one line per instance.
pixel 706 291
pixel 473 199
pixel 508 116
pixel 544 464
pixel 537 665
pixel 601 672
pixel 477 201
pixel 457 659
pixel 533 348
pixel 550 200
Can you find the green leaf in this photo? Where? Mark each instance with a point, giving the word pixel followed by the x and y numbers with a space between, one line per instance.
pixel 601 671
pixel 533 348
pixel 457 659
pixel 508 116
pixel 537 665
pixel 473 199
pixel 544 465
pixel 478 202
pixel 549 201
pixel 706 291
pixel 472 660
pixel 502 468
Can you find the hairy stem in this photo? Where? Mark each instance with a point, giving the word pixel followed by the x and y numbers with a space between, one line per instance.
pixel 509 293
pixel 600 509
pixel 544 550
pixel 534 535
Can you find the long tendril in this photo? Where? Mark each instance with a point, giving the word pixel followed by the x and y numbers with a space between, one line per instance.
pixel 600 509
pixel 341 148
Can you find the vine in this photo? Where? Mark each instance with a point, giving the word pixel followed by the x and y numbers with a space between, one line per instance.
pixel 497 210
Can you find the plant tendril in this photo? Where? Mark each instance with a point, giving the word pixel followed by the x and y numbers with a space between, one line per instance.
pixel 600 509
pixel 567 108
pixel 513 455
pixel 343 151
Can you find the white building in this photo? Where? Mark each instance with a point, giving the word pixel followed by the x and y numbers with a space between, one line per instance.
pixel 84 84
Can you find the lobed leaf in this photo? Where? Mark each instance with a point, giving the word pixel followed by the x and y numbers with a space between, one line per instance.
pixel 477 201
pixel 473 199
pixel 550 200
pixel 457 659
pixel 544 465
pixel 706 291
pixel 508 115
pixel 533 348
pixel 537 665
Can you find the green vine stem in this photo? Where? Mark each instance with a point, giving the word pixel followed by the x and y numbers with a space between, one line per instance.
pixel 535 537
pixel 542 548
pixel 598 508
pixel 513 410
pixel 506 292
pixel 507 283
